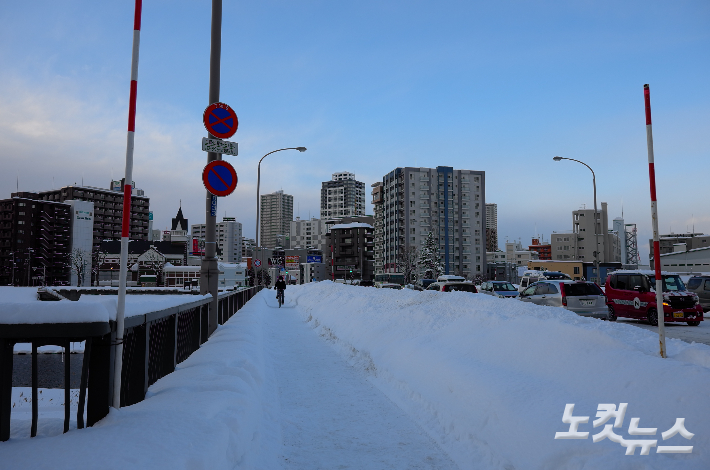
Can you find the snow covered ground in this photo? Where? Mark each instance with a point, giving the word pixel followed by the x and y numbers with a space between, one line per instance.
pixel 355 377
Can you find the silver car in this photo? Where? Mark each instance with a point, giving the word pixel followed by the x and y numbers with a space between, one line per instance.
pixel 584 298
pixel 502 289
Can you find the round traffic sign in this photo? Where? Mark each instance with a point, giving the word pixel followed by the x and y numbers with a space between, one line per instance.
pixel 219 178
pixel 220 120
pixel 257 262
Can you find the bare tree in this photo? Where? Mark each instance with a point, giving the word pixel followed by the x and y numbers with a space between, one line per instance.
pixel 155 263
pixel 79 261
pixel 407 263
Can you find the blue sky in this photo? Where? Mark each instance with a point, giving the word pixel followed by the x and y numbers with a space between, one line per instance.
pixel 367 87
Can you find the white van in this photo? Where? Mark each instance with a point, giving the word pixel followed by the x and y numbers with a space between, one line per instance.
pixel 530 277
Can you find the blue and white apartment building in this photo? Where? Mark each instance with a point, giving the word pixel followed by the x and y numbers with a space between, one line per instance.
pixel 450 203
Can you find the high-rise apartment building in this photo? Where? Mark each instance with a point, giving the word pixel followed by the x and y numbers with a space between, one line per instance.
pixel 35 241
pixel 342 196
pixel 449 203
pixel 491 227
pixel 378 232
pixel 313 233
pixel 229 238
pixel 276 214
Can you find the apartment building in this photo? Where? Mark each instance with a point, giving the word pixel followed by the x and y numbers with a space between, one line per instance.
pixel 342 196
pixel 229 239
pixel 516 254
pixel 581 243
pixel 350 253
pixel 35 241
pixel 276 214
pixel 108 209
pixel 491 227
pixel 449 203
pixel 378 227
pixel 313 233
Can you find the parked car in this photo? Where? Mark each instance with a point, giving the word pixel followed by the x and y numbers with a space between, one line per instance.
pixel 500 289
pixel 631 294
pixel 584 298
pixel 450 278
pixel 389 285
pixel 701 286
pixel 452 286
pixel 424 283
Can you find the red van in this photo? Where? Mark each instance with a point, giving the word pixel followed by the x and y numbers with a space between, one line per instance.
pixel 631 294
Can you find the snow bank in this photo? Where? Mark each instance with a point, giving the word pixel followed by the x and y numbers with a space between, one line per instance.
pixel 489 378
pixel 19 305
pixel 216 411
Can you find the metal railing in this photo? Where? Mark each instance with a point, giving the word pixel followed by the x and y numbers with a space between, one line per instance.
pixel 153 345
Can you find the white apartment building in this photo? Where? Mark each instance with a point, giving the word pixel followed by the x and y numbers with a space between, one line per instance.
pixel 342 196
pixel 450 203
pixel 276 214
pixel 229 238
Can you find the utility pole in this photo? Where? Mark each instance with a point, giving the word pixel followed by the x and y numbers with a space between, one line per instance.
pixel 209 273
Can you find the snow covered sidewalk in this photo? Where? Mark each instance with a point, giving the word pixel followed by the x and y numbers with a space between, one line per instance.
pixel 331 416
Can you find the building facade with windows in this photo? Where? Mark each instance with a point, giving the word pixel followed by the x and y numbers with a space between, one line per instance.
pixel 449 203
pixel 229 239
pixel 580 243
pixel 276 214
pixel 108 210
pixel 342 196
pixel 350 252
pixel 35 241
pixel 377 199
pixel 491 227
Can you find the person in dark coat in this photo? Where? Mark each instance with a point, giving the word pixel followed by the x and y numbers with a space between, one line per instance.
pixel 280 286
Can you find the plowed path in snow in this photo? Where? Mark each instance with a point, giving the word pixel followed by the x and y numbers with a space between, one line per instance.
pixel 331 416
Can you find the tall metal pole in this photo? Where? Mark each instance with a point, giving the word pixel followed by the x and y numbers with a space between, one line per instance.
pixel 596 235
pixel 209 272
pixel 258 183
pixel 126 223
pixel 654 220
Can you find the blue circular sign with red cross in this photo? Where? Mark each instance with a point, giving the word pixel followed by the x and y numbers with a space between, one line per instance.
pixel 219 178
pixel 257 262
pixel 220 120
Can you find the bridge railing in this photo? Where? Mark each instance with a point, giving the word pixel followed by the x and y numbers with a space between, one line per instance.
pixel 153 345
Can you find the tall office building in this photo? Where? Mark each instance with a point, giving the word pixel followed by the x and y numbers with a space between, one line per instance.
pixel 342 196
pixel 491 227
pixel 450 203
pixel 276 214
pixel 229 239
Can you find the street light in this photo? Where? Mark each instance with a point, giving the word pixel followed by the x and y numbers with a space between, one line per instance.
pixel 258 182
pixel 596 236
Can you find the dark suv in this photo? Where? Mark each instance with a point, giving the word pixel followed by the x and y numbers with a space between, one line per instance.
pixel 631 294
pixel 701 286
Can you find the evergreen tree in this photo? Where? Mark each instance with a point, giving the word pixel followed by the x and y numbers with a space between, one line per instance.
pixel 429 259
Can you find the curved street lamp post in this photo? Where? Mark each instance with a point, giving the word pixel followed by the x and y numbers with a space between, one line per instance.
pixel 258 182
pixel 596 232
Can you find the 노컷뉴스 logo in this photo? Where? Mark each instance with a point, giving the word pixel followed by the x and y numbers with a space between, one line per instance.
pixel 606 411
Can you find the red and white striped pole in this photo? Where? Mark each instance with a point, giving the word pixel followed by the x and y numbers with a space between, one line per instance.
pixel 125 229
pixel 654 218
